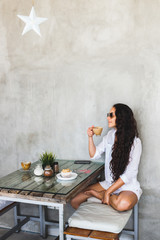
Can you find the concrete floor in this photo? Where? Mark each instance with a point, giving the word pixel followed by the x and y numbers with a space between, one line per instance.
pixel 35 236
pixel 25 235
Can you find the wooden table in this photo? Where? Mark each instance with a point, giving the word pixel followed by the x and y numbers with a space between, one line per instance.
pixel 23 186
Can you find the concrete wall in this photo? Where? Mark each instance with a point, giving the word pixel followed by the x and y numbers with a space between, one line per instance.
pixel 91 55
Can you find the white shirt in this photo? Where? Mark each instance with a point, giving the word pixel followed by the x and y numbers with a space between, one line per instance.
pixel 129 176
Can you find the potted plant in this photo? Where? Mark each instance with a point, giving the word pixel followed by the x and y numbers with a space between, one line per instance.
pixel 47 161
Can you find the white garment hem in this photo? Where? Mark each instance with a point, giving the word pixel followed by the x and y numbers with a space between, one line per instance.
pixel 137 191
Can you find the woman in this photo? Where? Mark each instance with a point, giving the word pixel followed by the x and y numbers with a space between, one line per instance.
pixel 122 149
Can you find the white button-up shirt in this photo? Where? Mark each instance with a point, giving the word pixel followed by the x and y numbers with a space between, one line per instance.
pixel 129 176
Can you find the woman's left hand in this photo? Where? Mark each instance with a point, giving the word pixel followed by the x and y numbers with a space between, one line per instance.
pixel 106 198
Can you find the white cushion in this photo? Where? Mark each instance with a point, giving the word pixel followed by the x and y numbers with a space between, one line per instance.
pixel 4 204
pixel 99 217
pixel 94 199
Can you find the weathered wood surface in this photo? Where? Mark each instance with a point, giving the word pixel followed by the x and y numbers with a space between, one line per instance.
pixel 80 187
pixel 77 231
pixel 91 233
pixel 25 185
pixel 104 235
pixel 32 197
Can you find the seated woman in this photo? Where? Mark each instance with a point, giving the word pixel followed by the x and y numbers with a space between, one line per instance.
pixel 122 149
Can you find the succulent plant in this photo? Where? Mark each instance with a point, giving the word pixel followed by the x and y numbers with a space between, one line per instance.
pixel 47 159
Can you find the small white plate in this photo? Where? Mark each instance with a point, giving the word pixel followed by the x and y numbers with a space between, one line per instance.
pixel 73 176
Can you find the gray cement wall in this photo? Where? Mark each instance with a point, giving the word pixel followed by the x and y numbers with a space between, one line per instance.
pixel 91 55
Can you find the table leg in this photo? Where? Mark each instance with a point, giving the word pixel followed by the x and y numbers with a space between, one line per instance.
pixel 42 221
pixel 61 222
pixel 16 214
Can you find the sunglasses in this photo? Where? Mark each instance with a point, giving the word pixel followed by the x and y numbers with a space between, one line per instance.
pixel 111 114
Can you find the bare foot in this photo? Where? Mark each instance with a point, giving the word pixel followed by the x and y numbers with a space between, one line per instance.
pixel 94 193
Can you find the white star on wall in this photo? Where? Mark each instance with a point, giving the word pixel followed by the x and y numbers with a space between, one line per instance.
pixel 32 22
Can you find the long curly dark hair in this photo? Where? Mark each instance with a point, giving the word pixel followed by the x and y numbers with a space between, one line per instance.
pixel 126 132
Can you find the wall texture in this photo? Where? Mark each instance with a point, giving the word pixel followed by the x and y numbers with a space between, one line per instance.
pixel 91 55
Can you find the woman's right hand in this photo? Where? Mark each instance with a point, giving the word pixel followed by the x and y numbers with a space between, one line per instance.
pixel 90 131
pixel 92 147
pixel 106 198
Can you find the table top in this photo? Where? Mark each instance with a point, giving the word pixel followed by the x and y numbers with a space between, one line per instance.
pixel 24 182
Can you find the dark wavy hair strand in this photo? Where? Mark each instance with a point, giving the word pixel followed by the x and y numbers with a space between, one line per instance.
pixel 126 132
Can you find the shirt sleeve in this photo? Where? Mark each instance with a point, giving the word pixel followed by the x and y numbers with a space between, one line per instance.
pixel 100 148
pixel 131 170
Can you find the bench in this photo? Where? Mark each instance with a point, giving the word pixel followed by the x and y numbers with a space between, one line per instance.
pixel 99 221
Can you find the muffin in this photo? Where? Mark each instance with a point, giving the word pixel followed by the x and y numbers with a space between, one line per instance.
pixel 66 172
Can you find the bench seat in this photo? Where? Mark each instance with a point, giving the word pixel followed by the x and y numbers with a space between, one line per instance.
pixel 99 217
pixel 94 220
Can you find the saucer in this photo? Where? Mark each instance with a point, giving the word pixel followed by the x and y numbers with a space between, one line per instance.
pixel 73 176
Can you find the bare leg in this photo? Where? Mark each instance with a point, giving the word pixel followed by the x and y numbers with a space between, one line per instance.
pixel 94 193
pixel 124 201
pixel 82 197
pixel 121 202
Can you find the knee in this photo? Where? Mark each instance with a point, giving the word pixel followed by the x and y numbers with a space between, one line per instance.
pixel 74 203
pixel 124 205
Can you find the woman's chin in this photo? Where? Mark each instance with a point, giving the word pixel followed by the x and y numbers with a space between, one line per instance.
pixel 111 126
